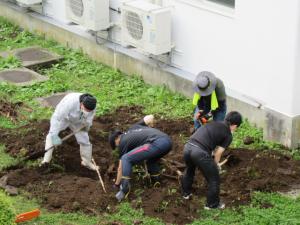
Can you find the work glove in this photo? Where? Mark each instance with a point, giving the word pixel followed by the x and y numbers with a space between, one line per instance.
pixel 204 118
pixel 56 140
pixel 149 120
pixel 199 114
pixel 116 187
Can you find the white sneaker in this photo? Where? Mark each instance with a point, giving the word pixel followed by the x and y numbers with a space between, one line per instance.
pixel 187 196
pixel 220 206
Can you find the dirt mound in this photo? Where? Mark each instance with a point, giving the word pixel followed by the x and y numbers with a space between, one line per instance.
pixel 249 171
pixel 67 186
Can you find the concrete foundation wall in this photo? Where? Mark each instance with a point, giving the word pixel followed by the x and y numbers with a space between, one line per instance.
pixel 277 127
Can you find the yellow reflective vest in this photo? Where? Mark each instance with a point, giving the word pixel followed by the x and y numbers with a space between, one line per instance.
pixel 214 104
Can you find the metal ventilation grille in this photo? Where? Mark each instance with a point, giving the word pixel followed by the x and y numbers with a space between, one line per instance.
pixel 134 25
pixel 76 7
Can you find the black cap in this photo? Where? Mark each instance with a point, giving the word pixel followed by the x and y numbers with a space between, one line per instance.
pixel 112 138
pixel 88 101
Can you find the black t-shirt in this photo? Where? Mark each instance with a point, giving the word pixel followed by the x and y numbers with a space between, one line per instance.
pixel 211 135
pixel 137 135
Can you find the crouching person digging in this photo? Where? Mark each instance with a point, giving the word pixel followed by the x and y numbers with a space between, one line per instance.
pixel 75 110
pixel 209 140
pixel 140 143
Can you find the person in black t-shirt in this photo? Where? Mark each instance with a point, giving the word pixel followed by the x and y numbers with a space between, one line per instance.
pixel 141 142
pixel 209 140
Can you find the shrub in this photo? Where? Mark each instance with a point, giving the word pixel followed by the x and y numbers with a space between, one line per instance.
pixel 7 215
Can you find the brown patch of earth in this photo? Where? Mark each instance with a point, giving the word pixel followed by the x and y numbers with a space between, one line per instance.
pixel 9 109
pixel 67 186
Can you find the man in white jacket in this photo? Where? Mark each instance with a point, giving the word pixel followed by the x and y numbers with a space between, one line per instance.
pixel 75 110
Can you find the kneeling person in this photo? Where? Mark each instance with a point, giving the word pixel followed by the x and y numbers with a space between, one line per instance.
pixel 141 142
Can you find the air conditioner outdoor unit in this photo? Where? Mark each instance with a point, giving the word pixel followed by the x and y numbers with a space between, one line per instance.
pixel 55 9
pixel 29 2
pixel 91 14
pixel 146 26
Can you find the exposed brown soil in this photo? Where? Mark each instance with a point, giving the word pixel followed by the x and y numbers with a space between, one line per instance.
pixel 67 186
pixel 9 110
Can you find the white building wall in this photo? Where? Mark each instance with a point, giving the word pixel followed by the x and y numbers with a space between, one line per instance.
pixel 296 81
pixel 253 50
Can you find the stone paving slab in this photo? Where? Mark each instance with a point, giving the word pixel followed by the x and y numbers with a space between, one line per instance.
pixel 21 77
pixel 33 56
pixel 52 100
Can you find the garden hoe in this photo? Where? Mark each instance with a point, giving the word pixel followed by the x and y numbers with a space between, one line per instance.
pixel 27 216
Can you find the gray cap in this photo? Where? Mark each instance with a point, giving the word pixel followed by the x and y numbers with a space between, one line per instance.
pixel 205 83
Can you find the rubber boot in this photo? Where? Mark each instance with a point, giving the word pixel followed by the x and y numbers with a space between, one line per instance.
pixel 124 189
pixel 86 157
pixel 48 155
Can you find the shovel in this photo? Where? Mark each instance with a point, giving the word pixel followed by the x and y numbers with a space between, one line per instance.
pixel 99 175
pixel 225 160
pixel 27 216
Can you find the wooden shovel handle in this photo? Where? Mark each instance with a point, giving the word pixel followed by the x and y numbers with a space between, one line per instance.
pixel 99 175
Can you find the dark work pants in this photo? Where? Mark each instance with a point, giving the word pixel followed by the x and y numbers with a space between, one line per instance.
pixel 195 157
pixel 151 152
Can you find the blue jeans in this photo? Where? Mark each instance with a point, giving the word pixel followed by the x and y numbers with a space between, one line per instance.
pixel 218 115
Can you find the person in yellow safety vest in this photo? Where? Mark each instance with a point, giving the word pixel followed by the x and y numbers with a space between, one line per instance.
pixel 209 96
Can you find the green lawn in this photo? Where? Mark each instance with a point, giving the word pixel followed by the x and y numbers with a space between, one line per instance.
pixel 112 88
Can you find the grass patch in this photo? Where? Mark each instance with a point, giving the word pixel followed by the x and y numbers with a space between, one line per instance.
pixel 266 208
pixel 129 216
pixel 124 214
pixel 7 214
pixel 77 72
pixel 246 129
pixel 21 205
pixel 5 159
pixel 6 123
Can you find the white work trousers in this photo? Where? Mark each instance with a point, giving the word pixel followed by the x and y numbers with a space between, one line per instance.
pixel 56 126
